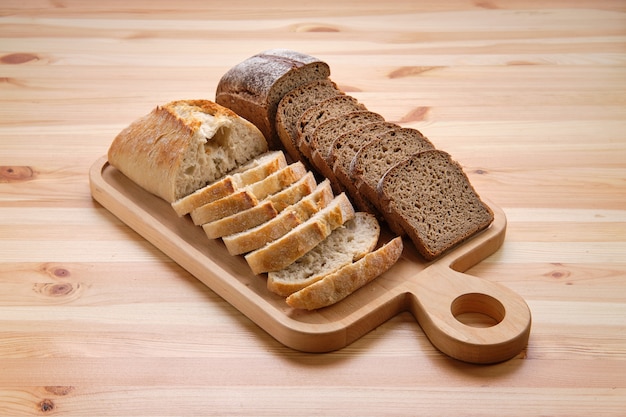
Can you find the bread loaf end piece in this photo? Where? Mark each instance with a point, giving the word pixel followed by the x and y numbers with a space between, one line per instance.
pixel 431 197
pixel 183 145
pixel 254 87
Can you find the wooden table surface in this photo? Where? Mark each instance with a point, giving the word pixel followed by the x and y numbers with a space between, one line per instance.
pixel 529 96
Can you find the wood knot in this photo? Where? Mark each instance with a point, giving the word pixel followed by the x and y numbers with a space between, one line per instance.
pixel 46 405
pixel 61 273
pixel 59 390
pixel 55 271
pixel 316 28
pixel 349 89
pixel 480 171
pixel 559 274
pixel 486 5
pixel 418 114
pixel 403 72
pixel 18 58
pixel 16 174
pixel 62 291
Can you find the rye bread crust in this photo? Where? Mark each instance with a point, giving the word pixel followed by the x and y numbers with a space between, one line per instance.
pixel 254 87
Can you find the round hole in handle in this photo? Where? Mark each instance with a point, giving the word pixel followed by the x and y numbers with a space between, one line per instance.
pixel 477 310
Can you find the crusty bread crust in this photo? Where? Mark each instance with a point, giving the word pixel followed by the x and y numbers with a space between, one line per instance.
pixel 288 219
pixel 240 221
pixel 253 171
pixel 248 196
pixel 183 145
pixel 224 207
pixel 338 285
pixel 286 250
pixel 355 239
pixel 278 180
pixel 263 212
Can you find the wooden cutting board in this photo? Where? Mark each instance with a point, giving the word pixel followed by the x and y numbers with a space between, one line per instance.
pixel 437 293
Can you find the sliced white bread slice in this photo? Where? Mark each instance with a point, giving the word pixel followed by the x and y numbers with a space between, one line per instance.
pixel 352 241
pixel 282 252
pixel 262 212
pixel 251 172
pixel 243 220
pixel 288 219
pixel 294 192
pixel 338 285
pixel 225 206
pixel 239 201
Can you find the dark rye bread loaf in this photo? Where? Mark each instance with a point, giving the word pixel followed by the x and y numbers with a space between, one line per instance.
pixel 325 134
pixel 318 114
pixel 254 87
pixel 430 196
pixel 293 104
pixel 373 160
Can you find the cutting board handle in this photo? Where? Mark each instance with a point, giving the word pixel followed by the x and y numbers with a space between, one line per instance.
pixel 442 296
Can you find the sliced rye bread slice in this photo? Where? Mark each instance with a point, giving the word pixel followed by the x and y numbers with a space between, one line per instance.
pixel 284 251
pixel 262 212
pixel 431 197
pixel 254 87
pixel 248 196
pixel 288 219
pixel 346 146
pixel 355 239
pixel 343 151
pixel 343 282
pixel 377 157
pixel 293 104
pixel 325 134
pixel 251 172
pixel 318 114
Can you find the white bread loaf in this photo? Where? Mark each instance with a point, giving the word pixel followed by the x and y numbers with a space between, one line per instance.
pixel 183 145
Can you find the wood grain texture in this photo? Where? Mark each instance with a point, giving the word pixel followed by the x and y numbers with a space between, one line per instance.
pixel 527 96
